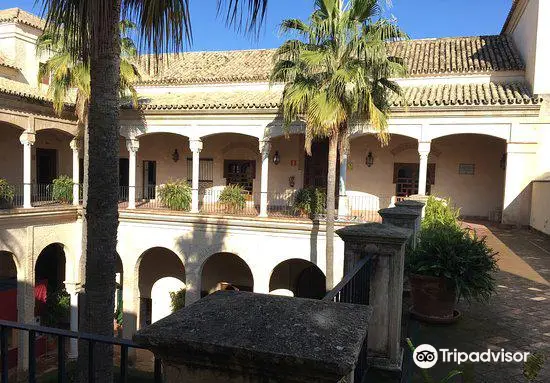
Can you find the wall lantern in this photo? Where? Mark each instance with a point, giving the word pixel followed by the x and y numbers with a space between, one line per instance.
pixel 276 158
pixel 503 161
pixel 369 161
pixel 176 155
pixel 291 181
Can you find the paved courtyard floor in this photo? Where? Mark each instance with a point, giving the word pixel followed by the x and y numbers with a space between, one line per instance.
pixel 517 318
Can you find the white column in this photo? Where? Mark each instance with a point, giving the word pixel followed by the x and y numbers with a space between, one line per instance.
pixel 424 152
pixel 192 283
pixel 133 146
pixel 27 140
pixel 75 146
pixel 195 145
pixel 265 148
pixel 73 289
pixel 343 202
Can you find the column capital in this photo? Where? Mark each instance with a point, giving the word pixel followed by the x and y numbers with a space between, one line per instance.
pixel 424 147
pixel 73 287
pixel 75 144
pixel 27 138
pixel 195 145
pixel 132 144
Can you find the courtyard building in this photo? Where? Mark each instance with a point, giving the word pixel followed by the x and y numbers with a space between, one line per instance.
pixel 473 126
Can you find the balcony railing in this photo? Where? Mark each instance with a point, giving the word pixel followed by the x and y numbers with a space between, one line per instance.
pixel 355 288
pixel 62 336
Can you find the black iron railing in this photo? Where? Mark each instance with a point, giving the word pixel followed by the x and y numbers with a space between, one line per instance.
pixel 355 288
pixel 62 335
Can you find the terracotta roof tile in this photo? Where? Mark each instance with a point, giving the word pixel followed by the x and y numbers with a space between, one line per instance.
pixel 446 56
pixel 423 96
pixel 6 62
pixel 17 88
pixel 21 16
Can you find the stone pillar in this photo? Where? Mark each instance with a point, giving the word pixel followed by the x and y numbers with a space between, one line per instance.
pixel 133 146
pixel 195 145
pixel 73 288
pixel 404 217
pixel 417 205
pixel 424 152
pixel 75 146
pixel 265 147
pixel 386 244
pixel 27 140
pixel 343 201
pixel 521 169
pixel 264 338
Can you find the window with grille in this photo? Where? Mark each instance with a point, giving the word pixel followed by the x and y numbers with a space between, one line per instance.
pixel 206 172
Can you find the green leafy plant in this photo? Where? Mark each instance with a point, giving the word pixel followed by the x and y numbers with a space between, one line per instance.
pixel 178 299
pixel 310 201
pixel 533 366
pixel 456 254
pixel 176 195
pixel 233 197
pixel 440 212
pixel 58 307
pixel 62 190
pixel 7 193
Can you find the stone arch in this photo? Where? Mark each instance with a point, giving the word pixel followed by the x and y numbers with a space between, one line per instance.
pixel 152 265
pixel 224 270
pixel 304 278
pixel 434 132
pixel 50 265
pixel 8 285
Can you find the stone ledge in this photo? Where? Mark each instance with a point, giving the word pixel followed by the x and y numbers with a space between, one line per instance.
pixel 379 233
pixel 263 334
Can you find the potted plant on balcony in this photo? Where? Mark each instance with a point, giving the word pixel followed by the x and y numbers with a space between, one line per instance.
pixel 233 197
pixel 62 190
pixel 7 193
pixel 175 195
pixel 448 264
pixel 309 202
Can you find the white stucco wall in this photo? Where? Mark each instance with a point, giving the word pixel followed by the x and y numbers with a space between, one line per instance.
pixel 11 154
pixel 540 206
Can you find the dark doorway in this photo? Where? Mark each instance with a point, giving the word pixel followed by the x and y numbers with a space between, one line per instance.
pixel 46 165
pixel 240 172
pixel 316 165
pixel 405 178
pixel 149 179
pixel 123 172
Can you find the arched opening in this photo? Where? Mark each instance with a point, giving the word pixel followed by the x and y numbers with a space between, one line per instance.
pixel 224 271
pixel 229 159
pixel 8 300
pixel 155 264
pixel 471 172
pixel 302 277
pixel 52 158
pixel 52 302
pixel 11 162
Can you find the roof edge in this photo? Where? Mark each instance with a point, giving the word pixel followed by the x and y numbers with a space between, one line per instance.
pixel 511 14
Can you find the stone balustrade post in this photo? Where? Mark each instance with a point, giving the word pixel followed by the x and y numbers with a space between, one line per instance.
pixel 404 217
pixel 241 337
pixel 386 243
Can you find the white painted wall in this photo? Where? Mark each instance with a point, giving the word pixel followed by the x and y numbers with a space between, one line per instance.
pixel 160 295
pixel 540 205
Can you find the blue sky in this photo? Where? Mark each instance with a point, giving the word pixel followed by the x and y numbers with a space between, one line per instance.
pixel 419 18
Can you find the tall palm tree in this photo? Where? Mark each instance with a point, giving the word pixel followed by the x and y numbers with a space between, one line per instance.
pixel 68 74
pixel 337 72
pixel 91 30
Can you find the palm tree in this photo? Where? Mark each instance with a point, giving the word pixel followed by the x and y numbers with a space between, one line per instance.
pixel 336 71
pixel 68 74
pixel 91 32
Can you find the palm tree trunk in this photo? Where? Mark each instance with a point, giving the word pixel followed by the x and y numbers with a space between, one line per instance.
pixel 101 206
pixel 331 207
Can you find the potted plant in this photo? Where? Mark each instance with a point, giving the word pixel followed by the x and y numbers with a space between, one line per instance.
pixel 62 190
pixel 233 197
pixel 7 193
pixel 448 264
pixel 176 195
pixel 310 201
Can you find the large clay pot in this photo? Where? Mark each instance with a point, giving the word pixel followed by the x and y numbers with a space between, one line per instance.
pixel 433 300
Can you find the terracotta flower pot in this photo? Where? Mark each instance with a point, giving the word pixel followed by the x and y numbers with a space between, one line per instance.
pixel 433 300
